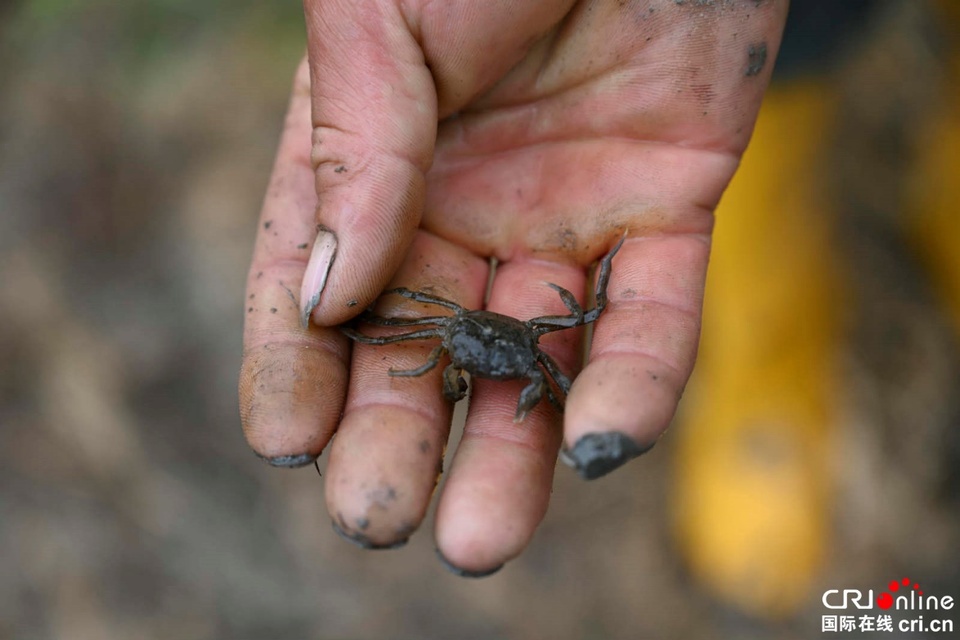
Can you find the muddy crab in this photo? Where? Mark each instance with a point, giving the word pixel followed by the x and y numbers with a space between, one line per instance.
pixel 491 345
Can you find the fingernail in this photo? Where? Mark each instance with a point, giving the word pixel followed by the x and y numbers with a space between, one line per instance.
pixel 289 462
pixel 363 541
pixel 597 454
pixel 315 277
pixel 465 573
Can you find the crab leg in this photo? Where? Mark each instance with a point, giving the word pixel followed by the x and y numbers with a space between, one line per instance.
pixel 546 324
pixel 602 281
pixel 554 370
pixel 423 334
pixel 552 397
pixel 382 321
pixel 420 296
pixel 432 360
pixel 531 395
pixel 569 300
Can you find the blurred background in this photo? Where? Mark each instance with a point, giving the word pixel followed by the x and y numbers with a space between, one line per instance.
pixel 817 447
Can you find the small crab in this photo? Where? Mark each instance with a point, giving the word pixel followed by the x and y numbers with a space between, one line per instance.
pixel 491 345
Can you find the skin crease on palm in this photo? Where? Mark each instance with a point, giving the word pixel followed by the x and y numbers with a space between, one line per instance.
pixel 439 134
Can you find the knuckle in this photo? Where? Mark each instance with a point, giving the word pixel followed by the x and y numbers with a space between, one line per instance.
pixel 336 155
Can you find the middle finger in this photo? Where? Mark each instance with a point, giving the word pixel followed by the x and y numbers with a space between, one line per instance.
pixel 385 458
pixel 499 485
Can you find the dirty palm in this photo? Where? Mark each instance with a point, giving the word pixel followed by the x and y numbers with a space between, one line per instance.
pixel 491 345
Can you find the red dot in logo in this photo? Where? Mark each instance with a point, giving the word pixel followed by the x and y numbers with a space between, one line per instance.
pixel 894 585
pixel 885 600
pixel 906 582
pixel 916 586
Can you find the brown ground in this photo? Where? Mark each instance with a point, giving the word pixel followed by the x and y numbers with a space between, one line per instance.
pixel 136 144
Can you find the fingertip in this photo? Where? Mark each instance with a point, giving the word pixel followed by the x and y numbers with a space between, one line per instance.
pixel 291 396
pixel 616 411
pixel 496 494
pixel 476 549
pixel 289 461
pixel 361 540
pixel 466 573
pixel 382 472
pixel 597 454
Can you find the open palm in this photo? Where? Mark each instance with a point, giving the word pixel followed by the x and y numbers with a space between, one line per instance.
pixel 537 133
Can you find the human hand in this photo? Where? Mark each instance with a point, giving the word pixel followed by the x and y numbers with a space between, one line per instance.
pixel 445 133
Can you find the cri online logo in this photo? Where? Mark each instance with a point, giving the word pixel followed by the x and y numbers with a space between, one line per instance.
pixel 885 600
pixel 842 599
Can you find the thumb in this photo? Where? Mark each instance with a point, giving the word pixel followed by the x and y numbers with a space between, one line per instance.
pixel 374 129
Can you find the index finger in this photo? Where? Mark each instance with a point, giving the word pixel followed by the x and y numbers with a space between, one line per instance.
pixel 293 379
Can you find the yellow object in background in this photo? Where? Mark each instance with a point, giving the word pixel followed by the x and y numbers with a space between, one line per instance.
pixel 935 195
pixel 752 475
